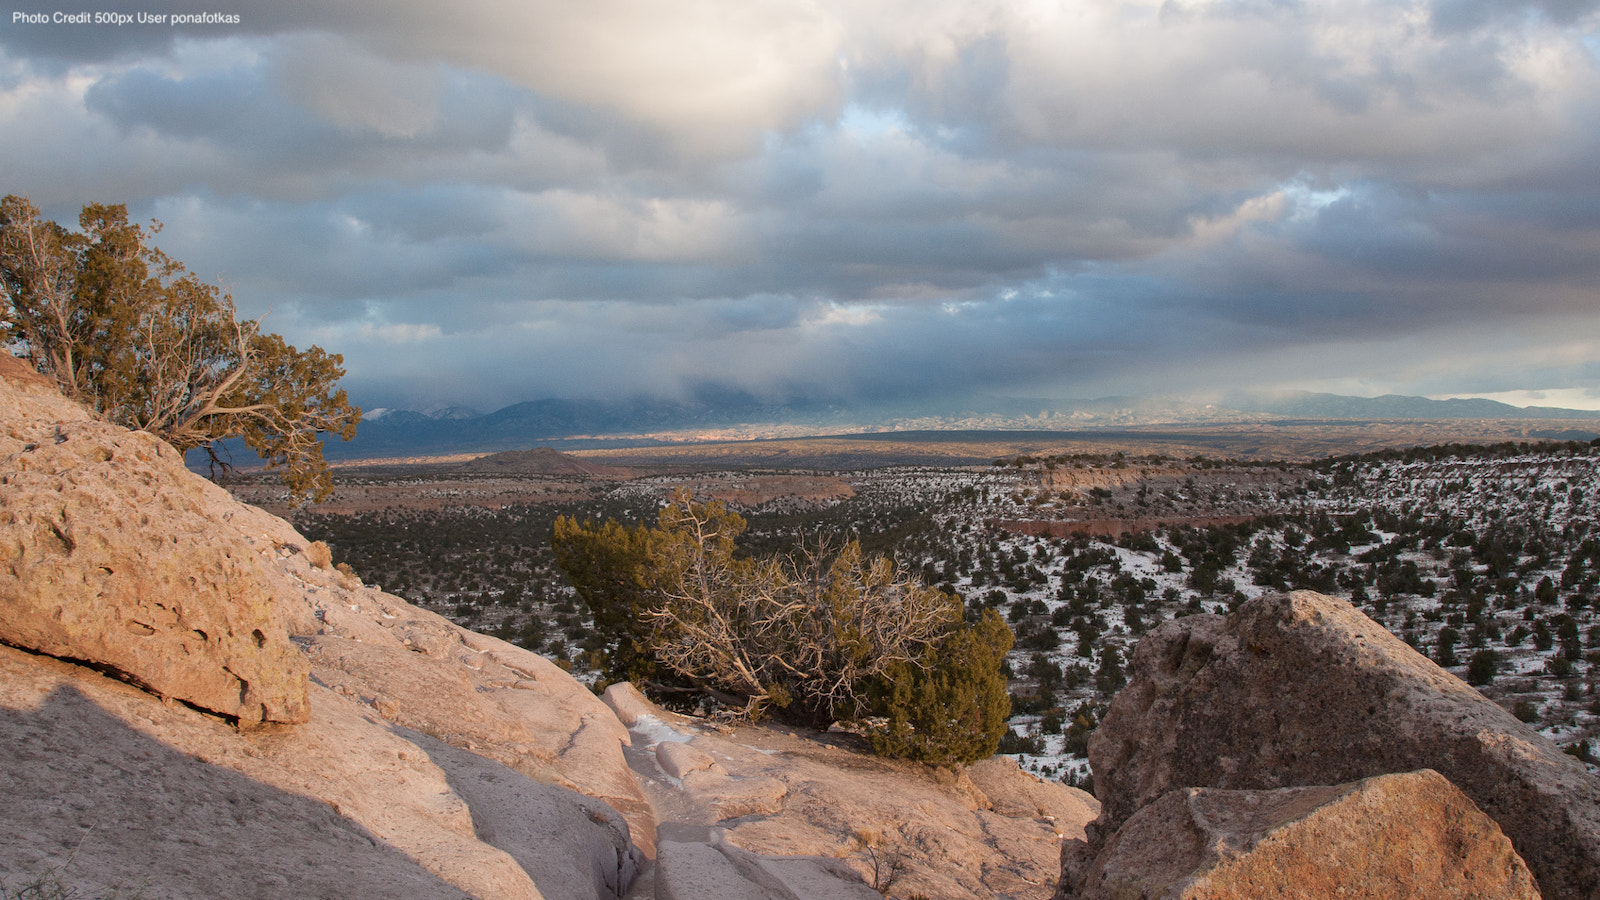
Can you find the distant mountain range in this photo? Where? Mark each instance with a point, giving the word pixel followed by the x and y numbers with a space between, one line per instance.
pixel 1305 404
pixel 573 424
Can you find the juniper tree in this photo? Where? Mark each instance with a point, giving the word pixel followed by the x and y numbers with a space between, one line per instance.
pixel 811 639
pixel 136 337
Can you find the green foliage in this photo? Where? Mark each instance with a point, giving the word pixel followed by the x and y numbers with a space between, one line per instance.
pixel 282 400
pixel 130 333
pixel 1446 654
pixel 1084 721
pixel 1109 677
pixel 951 706
pixel 1482 667
pixel 618 575
pixel 1012 743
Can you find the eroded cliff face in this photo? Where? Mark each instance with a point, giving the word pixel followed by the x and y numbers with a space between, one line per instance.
pixel 194 704
pixel 1303 690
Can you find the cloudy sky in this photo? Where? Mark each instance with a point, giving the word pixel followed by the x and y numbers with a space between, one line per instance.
pixel 483 202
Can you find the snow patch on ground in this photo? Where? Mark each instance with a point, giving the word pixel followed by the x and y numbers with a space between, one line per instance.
pixel 651 731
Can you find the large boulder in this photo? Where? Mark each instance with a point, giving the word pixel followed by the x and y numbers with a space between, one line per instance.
pixel 1302 689
pixel 1391 836
pixel 110 555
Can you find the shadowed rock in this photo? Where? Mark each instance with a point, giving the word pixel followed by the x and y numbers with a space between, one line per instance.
pixel 1302 689
pixel 1383 838
pixel 573 846
pixel 109 786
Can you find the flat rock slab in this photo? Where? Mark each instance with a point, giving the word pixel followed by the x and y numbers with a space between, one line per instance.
pixel 680 759
pixel 719 871
pixel 473 692
pixel 1392 837
pixel 112 788
pixel 575 847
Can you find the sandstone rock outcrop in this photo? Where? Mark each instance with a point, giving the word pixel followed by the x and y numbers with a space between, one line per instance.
pixel 1302 689
pixel 1015 793
pixel 1384 838
pixel 111 788
pixel 474 692
pixel 110 555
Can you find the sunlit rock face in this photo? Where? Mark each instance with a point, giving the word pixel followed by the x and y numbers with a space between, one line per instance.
pixel 110 554
pixel 1410 835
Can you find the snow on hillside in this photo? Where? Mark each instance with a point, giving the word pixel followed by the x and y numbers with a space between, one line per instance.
pixel 1487 561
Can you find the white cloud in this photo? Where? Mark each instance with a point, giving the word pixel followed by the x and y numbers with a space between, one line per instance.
pixel 709 77
pixel 606 226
